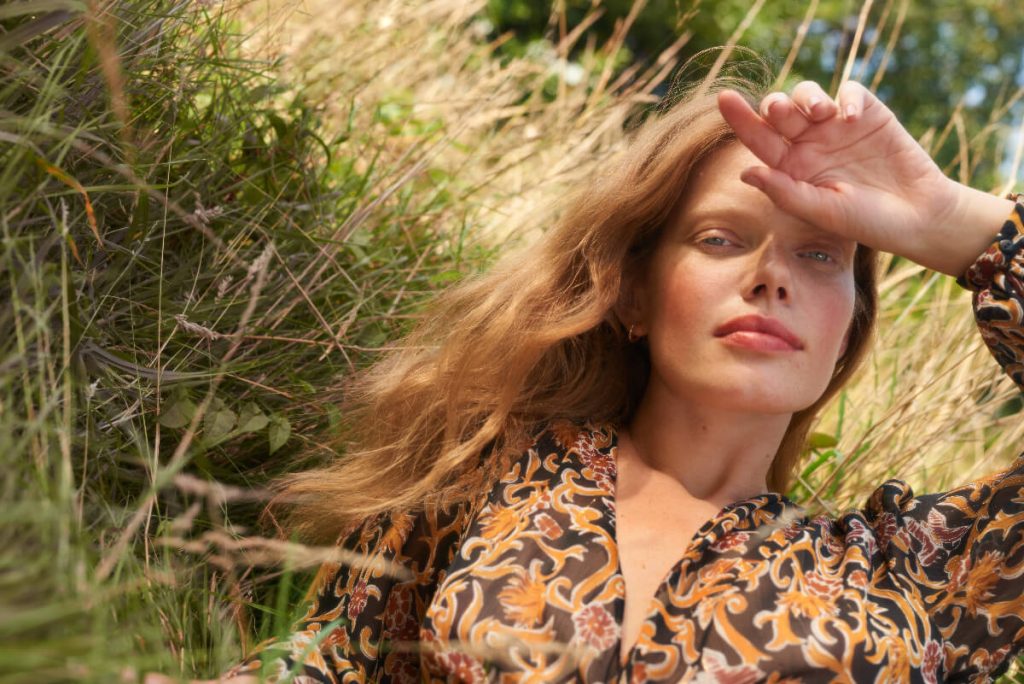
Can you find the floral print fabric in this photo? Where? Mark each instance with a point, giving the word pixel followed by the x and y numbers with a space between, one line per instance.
pixel 524 584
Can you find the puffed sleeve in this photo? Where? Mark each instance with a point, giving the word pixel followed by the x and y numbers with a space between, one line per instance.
pixel 997 279
pixel 960 553
pixel 363 620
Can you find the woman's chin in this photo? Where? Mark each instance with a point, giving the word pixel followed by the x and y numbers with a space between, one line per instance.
pixel 753 400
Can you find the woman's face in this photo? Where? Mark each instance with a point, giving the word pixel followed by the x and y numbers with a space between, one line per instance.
pixel 745 307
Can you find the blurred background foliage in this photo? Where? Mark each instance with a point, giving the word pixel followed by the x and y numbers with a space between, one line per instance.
pixel 936 58
pixel 212 214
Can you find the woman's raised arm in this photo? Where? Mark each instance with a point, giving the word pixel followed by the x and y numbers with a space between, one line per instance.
pixel 848 166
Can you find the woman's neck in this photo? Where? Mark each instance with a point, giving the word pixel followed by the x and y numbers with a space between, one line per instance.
pixel 716 455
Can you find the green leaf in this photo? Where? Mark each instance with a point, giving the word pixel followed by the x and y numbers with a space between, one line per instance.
pixel 443 277
pixel 333 415
pixel 177 413
pixel 217 424
pixel 280 430
pixel 252 419
pixel 15 9
pixel 1010 407
pixel 821 440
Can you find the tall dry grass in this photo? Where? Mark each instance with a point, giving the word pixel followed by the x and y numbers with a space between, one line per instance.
pixel 212 214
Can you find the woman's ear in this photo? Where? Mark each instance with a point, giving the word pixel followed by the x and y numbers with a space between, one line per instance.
pixel 629 308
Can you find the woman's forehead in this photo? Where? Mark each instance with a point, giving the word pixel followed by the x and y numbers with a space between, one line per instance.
pixel 722 167
pixel 715 192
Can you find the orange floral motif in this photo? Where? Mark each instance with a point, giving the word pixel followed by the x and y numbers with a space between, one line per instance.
pixel 826 588
pixel 523 600
pixel 500 522
pixel 539 500
pixel 808 604
pixel 958 569
pixel 982 578
pixel 398 531
pixel 564 432
pixel 338 638
pixel 897 666
pixel 986 662
pixel 721 570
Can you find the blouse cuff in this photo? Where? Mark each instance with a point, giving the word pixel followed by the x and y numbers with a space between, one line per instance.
pixel 1002 255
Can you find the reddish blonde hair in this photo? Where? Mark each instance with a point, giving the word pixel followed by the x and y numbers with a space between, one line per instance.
pixel 532 340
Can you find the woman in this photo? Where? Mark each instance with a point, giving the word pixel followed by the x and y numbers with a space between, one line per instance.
pixel 573 470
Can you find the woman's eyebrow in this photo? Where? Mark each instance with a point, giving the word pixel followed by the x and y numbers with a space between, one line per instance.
pixel 742 214
pixel 720 213
pixel 735 213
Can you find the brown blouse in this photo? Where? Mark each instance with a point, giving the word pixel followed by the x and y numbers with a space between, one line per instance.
pixel 524 584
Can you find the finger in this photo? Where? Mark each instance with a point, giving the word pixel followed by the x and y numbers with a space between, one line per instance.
pixel 852 99
pixel 783 115
pixel 813 101
pixel 764 141
pixel 813 204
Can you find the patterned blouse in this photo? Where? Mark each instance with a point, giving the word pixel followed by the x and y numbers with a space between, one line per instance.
pixel 524 584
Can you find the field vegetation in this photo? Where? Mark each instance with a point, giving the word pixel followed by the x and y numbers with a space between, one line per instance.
pixel 212 214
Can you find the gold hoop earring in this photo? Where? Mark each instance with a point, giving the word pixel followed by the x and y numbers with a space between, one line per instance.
pixel 632 337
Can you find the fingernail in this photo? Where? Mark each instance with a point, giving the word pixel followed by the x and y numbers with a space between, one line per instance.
pixel 851 111
pixel 813 102
pixel 754 180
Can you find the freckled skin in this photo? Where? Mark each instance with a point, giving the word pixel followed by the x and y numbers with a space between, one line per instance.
pixel 731 252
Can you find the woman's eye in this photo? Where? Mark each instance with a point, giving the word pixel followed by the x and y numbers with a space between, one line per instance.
pixel 818 255
pixel 715 241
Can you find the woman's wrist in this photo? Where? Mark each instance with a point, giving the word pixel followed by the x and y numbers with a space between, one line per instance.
pixel 969 229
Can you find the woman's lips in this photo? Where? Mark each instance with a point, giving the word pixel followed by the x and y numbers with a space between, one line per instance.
pixel 758 332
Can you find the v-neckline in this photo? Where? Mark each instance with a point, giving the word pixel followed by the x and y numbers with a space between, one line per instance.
pixel 695 547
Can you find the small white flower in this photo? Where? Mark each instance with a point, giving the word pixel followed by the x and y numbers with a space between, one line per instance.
pixel 573 73
pixel 570 72
pixel 481 28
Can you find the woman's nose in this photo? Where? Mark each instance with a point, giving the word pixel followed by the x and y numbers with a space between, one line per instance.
pixel 770 275
pixel 780 290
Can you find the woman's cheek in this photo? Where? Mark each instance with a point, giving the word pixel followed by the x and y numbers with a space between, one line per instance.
pixel 836 306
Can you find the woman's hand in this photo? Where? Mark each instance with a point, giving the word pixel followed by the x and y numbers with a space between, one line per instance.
pixel 850 167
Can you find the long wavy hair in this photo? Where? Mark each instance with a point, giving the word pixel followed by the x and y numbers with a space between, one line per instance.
pixel 532 340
